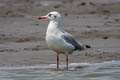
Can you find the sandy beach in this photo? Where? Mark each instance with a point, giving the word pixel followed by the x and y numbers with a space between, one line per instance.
pixel 22 35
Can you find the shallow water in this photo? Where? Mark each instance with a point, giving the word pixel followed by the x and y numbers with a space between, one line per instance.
pixel 109 70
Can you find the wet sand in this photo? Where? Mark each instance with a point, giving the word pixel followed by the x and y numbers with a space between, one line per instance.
pixel 22 35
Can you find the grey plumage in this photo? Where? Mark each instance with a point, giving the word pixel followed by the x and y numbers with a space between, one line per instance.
pixel 69 39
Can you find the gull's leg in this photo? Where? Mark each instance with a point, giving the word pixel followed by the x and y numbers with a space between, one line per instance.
pixel 57 61
pixel 67 62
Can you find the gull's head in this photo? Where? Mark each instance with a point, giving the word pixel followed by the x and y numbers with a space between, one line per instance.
pixel 52 16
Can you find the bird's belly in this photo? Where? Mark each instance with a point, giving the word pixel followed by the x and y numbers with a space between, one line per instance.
pixel 58 45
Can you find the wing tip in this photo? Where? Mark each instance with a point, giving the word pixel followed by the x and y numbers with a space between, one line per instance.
pixel 87 46
pixel 83 47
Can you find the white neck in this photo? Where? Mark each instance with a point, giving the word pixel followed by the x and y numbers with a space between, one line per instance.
pixel 54 23
pixel 52 26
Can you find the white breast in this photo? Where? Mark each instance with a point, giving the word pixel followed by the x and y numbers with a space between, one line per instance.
pixel 57 44
pixel 55 41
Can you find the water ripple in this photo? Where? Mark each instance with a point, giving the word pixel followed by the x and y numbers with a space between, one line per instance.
pixel 109 70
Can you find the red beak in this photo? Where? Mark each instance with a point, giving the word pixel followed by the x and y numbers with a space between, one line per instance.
pixel 42 17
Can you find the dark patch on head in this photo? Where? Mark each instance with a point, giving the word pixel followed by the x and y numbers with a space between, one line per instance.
pixel 55 16
pixel 66 14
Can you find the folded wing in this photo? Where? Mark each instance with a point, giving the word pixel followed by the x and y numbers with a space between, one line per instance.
pixel 69 39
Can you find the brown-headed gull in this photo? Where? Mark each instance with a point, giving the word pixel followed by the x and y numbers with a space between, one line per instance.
pixel 58 40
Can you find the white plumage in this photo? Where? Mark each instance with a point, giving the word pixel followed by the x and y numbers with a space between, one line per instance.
pixel 59 40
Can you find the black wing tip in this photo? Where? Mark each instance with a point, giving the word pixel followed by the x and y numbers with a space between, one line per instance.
pixel 87 46
pixel 80 47
pixel 83 47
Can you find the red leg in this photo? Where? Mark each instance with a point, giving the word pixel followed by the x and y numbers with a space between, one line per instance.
pixel 57 61
pixel 67 62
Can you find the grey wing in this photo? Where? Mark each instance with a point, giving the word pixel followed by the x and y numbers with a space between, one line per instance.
pixel 69 39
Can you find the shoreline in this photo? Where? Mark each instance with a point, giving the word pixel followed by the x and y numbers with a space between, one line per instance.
pixel 22 35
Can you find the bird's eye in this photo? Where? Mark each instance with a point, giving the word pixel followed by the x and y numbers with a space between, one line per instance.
pixel 49 14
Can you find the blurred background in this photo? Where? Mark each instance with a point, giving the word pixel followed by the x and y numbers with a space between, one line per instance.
pixel 92 22
pixel 23 51
pixel 20 8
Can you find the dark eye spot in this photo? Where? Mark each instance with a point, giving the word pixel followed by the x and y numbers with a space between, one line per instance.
pixel 50 14
pixel 55 16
